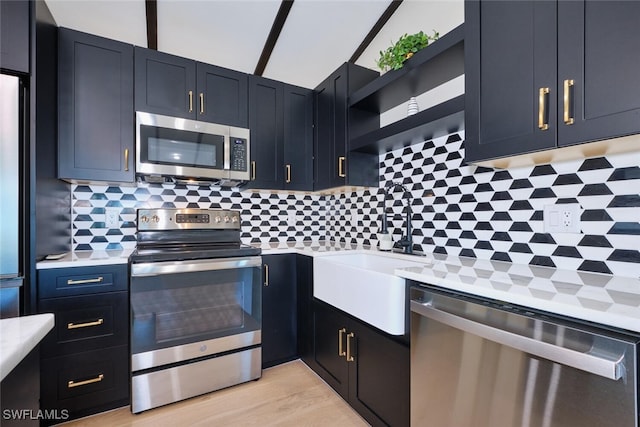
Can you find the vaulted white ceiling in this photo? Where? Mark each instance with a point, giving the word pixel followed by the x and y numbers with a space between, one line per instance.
pixel 317 36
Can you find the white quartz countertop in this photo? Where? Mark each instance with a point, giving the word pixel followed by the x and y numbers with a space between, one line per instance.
pixel 20 335
pixel 87 259
pixel 309 248
pixel 600 298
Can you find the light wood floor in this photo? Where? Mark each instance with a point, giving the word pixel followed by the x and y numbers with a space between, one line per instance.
pixel 287 395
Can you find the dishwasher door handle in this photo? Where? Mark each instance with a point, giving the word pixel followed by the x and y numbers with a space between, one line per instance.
pixel 611 369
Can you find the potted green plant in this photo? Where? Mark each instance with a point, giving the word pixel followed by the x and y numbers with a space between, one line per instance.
pixel 394 56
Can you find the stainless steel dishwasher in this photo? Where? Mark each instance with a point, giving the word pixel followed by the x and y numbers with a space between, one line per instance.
pixel 479 363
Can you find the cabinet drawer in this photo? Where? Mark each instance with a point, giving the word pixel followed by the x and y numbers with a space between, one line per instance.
pixel 80 382
pixel 61 282
pixel 86 323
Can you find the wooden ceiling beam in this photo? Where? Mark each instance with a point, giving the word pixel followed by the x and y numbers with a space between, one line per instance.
pixel 151 7
pixel 375 29
pixel 276 28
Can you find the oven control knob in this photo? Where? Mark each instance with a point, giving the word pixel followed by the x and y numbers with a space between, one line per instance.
pixel 155 218
pixel 227 219
pixel 144 218
pixel 234 219
pixel 218 219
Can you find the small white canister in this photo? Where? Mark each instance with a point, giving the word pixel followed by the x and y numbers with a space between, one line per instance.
pixel 385 242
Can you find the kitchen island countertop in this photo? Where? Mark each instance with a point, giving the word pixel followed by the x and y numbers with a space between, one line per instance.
pixel 20 335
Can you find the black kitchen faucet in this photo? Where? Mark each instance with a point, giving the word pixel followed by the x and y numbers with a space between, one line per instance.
pixel 406 241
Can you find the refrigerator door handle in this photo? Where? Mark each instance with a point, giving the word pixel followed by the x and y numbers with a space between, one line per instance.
pixel 611 369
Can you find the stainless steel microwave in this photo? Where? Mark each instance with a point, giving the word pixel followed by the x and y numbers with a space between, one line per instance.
pixel 191 150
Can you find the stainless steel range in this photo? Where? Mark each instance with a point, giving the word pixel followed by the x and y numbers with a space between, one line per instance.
pixel 195 306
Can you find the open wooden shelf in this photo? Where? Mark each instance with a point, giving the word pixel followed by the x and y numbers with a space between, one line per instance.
pixel 441 119
pixel 439 62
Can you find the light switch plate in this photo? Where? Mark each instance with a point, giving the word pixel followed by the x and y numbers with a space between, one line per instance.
pixel 111 217
pixel 562 218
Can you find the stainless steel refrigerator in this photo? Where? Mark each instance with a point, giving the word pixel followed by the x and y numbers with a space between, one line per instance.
pixel 11 231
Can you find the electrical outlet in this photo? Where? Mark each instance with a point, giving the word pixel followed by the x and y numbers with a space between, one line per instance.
pixel 111 217
pixel 564 218
pixel 291 218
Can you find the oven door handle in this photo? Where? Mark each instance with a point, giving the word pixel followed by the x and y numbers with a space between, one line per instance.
pixel 146 269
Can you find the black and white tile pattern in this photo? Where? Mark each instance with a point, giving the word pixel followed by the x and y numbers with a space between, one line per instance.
pixel 266 217
pixel 474 211
pixel 497 214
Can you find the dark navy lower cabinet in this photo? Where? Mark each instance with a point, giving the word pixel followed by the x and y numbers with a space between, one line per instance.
pixel 85 358
pixel 366 366
pixel 279 314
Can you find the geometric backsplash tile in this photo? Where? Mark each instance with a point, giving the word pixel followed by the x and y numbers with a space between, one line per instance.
pixel 457 209
pixel 497 214
pixel 265 216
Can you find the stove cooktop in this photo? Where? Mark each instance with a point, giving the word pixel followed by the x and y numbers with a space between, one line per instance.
pixel 192 252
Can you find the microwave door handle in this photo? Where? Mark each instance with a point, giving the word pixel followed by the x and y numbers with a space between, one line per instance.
pixel 227 151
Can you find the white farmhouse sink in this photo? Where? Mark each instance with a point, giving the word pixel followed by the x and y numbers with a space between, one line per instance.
pixel 364 286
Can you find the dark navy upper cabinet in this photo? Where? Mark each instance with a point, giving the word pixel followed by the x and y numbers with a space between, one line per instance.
pixel 510 56
pixel 298 138
pixel 598 67
pixel 165 84
pixel 14 35
pixel 179 87
pixel 222 95
pixel 335 165
pixel 543 74
pixel 281 125
pixel 95 108
pixel 267 132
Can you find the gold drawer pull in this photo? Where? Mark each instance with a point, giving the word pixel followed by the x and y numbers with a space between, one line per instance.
pixel 253 170
pixel 72 384
pixel 340 349
pixel 341 161
pixel 349 355
pixel 568 84
pixel 190 101
pixel 266 274
pixel 288 167
pixel 85 325
pixel 85 281
pixel 126 160
pixel 201 103
pixel 542 109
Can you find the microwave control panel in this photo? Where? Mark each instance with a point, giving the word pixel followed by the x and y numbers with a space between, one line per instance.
pixel 238 154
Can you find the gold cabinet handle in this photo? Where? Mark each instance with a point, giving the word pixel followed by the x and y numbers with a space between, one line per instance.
pixel 85 325
pixel 126 160
pixel 201 103
pixel 341 161
pixel 568 84
pixel 266 274
pixel 542 108
pixel 288 168
pixel 72 384
pixel 85 281
pixel 253 170
pixel 341 351
pixel 190 101
pixel 349 355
